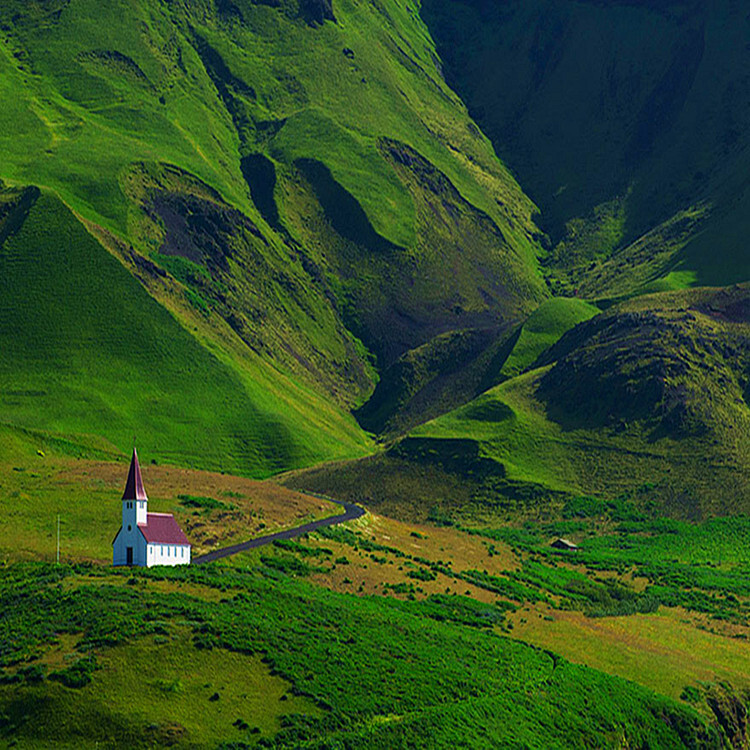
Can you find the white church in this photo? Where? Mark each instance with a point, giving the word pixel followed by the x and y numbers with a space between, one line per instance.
pixel 146 539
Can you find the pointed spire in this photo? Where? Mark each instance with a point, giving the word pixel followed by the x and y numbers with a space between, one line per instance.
pixel 134 486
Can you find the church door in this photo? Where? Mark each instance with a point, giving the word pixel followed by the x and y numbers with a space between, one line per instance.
pixel 129 556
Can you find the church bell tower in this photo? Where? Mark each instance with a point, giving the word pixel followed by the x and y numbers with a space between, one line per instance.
pixel 134 499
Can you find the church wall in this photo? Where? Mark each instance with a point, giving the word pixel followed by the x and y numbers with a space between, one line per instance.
pixel 125 539
pixel 168 554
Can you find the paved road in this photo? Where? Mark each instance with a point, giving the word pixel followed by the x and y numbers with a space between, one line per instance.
pixel 351 512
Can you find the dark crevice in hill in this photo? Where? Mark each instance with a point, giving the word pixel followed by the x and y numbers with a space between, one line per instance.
pixel 437 183
pixel 316 12
pixel 413 380
pixel 15 204
pixel 341 208
pixel 230 268
pixel 260 174
pixel 197 229
pixel 663 106
pixel 390 296
pixel 437 377
pixel 115 62
pixel 233 92
pixel 547 46
pixel 224 80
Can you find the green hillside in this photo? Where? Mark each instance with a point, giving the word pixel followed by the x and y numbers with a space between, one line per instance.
pixel 542 329
pixel 86 351
pixel 367 679
pixel 477 266
pixel 299 188
pixel 453 368
pixel 626 122
pixel 650 393
pixel 647 399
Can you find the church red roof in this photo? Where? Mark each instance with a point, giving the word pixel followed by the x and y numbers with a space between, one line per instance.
pixel 134 486
pixel 161 528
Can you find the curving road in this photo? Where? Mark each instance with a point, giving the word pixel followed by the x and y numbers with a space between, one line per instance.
pixel 350 513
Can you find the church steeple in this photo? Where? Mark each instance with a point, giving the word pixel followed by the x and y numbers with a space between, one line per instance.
pixel 134 499
pixel 134 486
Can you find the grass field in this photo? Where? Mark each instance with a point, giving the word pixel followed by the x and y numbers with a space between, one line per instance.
pixel 485 684
pixel 357 664
pixel 664 651
pixel 183 693
pixel 214 509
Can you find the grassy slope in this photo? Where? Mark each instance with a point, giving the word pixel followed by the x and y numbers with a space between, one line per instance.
pixel 176 683
pixel 42 478
pixel 650 392
pixel 314 105
pixel 488 690
pixel 103 97
pixel 542 329
pixel 86 350
pixel 179 678
pixel 453 368
pixel 616 117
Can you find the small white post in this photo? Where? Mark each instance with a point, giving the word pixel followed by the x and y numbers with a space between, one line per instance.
pixel 58 538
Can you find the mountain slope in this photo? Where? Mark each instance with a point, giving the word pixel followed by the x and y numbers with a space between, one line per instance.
pixel 623 120
pixel 652 392
pixel 86 351
pixel 648 400
pixel 297 185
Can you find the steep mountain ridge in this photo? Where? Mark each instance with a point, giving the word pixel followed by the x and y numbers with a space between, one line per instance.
pixel 621 120
pixel 295 182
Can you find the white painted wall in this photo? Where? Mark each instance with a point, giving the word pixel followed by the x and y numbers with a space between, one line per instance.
pixel 129 538
pixel 134 512
pixel 168 554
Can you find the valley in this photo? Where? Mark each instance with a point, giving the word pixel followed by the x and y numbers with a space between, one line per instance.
pixel 476 271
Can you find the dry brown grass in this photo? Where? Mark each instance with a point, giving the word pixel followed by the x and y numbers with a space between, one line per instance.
pixel 259 507
pixel 86 495
pixel 366 574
